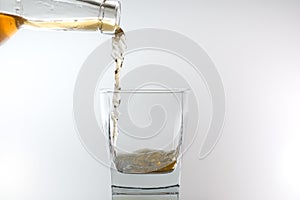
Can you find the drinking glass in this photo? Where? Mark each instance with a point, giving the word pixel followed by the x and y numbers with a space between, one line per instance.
pixel 144 128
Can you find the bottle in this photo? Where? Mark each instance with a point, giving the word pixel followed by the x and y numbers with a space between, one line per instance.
pixel 68 15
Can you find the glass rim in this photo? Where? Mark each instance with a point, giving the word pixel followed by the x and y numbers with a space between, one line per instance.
pixel 146 90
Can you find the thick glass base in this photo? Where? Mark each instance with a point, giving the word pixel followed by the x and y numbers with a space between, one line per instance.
pixel 163 193
pixel 150 180
pixel 152 186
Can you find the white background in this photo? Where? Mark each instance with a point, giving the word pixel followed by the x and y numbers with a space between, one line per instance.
pixel 255 46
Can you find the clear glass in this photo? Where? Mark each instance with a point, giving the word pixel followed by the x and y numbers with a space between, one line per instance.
pixel 83 15
pixel 145 143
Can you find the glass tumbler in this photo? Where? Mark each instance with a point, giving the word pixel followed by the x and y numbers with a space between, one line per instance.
pixel 145 130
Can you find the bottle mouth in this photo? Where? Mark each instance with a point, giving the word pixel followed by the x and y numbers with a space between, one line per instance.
pixel 110 12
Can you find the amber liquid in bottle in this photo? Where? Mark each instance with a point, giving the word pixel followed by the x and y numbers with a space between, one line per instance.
pixel 9 24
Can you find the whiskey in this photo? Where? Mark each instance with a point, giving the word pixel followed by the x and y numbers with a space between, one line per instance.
pixel 147 161
pixel 118 49
pixel 9 24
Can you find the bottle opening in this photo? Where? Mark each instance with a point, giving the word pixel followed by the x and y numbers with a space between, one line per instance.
pixel 109 15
